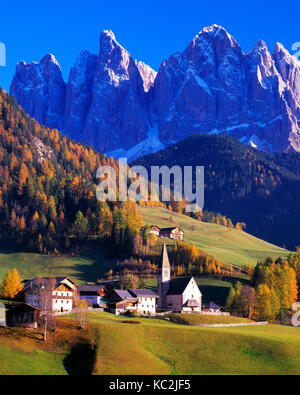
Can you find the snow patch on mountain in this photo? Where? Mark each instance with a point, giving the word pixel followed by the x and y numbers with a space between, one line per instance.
pixel 150 145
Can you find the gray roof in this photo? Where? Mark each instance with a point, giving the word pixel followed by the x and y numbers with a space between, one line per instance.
pixel 91 288
pixel 178 285
pixel 123 294
pixel 192 303
pixel 143 292
pixel 35 282
pixel 213 306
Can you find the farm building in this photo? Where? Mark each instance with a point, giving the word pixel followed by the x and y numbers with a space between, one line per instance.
pixel 174 233
pixel 142 301
pixel 145 301
pixel 21 314
pixel 155 230
pixel 121 301
pixel 182 294
pixel 212 307
pixel 59 292
pixel 92 293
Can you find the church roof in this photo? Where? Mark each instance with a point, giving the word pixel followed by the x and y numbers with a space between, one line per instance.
pixel 178 285
pixel 165 263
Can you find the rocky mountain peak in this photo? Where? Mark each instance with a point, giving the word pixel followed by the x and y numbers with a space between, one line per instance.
pixel 122 106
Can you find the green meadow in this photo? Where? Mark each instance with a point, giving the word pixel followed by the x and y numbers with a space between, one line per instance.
pixel 228 245
pixel 81 268
pixel 153 346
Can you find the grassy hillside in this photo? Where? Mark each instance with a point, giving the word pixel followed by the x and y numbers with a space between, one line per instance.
pixel 163 347
pixel 245 184
pixel 167 348
pixel 22 353
pixel 229 245
pixel 81 268
pixel 202 319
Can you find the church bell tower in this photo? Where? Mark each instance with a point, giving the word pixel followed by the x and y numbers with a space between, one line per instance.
pixel 163 278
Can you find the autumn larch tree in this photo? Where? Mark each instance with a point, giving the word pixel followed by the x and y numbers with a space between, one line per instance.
pixel 11 285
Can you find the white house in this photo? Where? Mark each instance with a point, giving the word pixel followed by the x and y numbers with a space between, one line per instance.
pixel 181 294
pixel 142 301
pixel 174 233
pixel 155 230
pixel 145 301
pixel 58 292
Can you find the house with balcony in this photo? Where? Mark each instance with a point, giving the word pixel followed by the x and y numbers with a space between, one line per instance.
pixel 54 294
pixel 121 302
pixel 141 301
pixel 174 233
pixel 145 301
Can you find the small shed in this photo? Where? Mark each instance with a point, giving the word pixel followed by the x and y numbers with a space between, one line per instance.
pixel 21 314
pixel 213 307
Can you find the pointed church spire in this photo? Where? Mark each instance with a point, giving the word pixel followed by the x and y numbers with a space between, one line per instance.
pixel 165 263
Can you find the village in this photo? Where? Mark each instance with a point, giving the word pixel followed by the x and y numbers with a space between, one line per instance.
pixel 60 295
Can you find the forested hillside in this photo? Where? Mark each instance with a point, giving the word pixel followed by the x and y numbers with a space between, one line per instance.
pixel 245 184
pixel 47 188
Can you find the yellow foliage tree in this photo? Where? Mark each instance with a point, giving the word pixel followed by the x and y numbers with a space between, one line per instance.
pixel 11 285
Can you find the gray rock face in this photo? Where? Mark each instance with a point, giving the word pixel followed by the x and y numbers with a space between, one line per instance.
pixel 41 90
pixel 79 94
pixel 214 87
pixel 124 107
pixel 117 117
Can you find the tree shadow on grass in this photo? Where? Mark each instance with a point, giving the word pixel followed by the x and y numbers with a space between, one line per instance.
pixel 81 360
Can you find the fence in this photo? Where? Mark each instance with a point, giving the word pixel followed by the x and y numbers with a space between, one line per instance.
pixel 74 311
pixel 229 325
pixel 214 313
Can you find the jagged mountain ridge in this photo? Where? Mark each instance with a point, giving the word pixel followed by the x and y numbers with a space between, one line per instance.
pixel 125 108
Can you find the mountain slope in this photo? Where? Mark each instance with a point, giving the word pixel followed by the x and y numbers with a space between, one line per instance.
pixel 48 189
pixel 242 183
pixel 116 103
pixel 164 347
pixel 230 246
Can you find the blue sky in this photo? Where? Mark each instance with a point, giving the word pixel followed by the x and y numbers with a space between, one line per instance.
pixel 150 30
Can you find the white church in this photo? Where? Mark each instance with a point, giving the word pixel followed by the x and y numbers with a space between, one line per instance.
pixel 182 294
